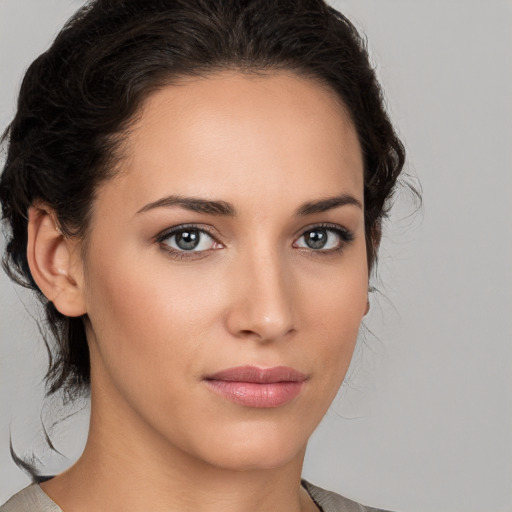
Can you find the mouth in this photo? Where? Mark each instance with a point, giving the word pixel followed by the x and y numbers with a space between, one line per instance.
pixel 255 387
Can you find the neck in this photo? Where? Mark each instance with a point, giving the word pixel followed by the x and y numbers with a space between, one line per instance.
pixel 126 465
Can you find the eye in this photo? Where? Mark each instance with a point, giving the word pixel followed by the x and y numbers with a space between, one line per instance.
pixel 324 238
pixel 187 239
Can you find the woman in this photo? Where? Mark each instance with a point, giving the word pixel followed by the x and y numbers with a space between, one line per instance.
pixel 195 191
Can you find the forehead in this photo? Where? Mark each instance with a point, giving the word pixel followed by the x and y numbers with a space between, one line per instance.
pixel 236 136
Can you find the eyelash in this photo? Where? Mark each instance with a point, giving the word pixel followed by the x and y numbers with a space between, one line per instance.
pixel 345 236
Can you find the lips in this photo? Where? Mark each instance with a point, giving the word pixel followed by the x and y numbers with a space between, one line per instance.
pixel 251 386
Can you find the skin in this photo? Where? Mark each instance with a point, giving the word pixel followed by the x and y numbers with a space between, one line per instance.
pixel 255 294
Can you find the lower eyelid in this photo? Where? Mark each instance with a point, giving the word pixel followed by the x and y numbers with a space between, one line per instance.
pixel 203 232
pixel 344 236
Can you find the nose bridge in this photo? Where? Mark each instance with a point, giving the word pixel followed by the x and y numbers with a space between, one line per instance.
pixel 263 305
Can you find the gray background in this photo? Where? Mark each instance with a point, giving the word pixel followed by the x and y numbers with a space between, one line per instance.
pixel 424 422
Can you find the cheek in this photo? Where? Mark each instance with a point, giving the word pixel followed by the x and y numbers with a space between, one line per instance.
pixel 147 321
pixel 156 321
pixel 334 314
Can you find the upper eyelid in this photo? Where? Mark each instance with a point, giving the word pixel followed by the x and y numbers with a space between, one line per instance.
pixel 323 225
pixel 166 233
pixel 210 230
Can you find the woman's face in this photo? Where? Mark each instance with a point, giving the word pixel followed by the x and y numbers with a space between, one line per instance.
pixel 226 274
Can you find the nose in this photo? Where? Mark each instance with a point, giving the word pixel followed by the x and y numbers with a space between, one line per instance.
pixel 262 300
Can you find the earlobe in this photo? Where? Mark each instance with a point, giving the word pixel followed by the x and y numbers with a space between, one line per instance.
pixel 367 310
pixel 55 263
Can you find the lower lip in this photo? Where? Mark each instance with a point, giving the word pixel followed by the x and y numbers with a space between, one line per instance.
pixel 253 394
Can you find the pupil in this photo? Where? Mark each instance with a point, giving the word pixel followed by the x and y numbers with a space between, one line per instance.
pixel 316 239
pixel 187 240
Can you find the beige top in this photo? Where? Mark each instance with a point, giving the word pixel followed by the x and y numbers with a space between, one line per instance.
pixel 34 499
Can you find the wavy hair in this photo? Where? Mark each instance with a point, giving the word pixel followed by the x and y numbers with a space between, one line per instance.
pixel 79 97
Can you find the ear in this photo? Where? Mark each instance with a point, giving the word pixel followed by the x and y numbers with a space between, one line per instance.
pixel 55 262
pixel 377 234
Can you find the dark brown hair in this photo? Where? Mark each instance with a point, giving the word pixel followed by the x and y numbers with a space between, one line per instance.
pixel 79 97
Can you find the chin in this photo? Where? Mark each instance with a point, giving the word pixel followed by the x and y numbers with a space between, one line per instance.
pixel 264 448
pixel 257 460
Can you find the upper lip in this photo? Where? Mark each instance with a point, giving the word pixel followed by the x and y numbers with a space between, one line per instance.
pixel 258 375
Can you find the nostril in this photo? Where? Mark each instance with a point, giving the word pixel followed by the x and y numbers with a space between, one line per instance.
pixel 266 334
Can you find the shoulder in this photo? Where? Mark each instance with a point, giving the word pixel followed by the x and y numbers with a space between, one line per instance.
pixel 33 499
pixel 329 501
pixel 30 499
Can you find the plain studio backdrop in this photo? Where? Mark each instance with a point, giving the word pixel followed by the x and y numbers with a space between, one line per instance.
pixel 424 422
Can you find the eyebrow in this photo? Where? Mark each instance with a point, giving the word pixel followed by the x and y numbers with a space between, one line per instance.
pixel 194 204
pixel 223 208
pixel 323 205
